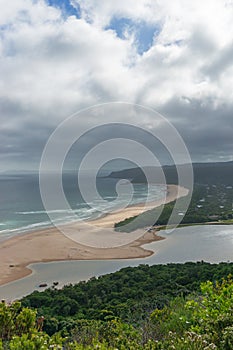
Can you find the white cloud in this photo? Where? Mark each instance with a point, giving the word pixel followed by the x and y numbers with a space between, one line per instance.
pixel 16 11
pixel 52 65
pixel 100 12
pixel 48 61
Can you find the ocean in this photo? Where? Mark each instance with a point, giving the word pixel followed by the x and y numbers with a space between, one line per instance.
pixel 22 210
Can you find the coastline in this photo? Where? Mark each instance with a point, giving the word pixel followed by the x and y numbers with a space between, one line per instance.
pixel 51 245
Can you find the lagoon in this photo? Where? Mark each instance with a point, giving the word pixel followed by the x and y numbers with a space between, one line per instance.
pixel 194 243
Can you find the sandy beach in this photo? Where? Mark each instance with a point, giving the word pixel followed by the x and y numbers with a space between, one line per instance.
pixel 51 245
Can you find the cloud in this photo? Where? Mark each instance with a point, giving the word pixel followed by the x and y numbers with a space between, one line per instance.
pixel 221 63
pixel 174 57
pixel 202 127
pixel 100 13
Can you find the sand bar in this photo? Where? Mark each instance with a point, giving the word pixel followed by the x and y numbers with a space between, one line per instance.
pixel 51 245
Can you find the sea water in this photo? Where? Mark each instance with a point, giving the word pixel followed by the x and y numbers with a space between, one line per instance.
pixel 22 210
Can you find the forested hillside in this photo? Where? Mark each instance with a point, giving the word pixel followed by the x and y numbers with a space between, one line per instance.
pixel 162 307
pixel 209 203
pixel 204 173
pixel 129 294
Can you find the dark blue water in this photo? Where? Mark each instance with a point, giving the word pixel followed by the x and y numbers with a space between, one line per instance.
pixel 21 207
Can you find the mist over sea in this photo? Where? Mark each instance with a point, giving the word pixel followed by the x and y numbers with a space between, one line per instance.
pixel 22 210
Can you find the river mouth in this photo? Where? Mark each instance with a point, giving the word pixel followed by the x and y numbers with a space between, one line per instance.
pixel 212 244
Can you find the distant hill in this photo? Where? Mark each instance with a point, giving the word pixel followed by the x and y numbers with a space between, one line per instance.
pixel 204 173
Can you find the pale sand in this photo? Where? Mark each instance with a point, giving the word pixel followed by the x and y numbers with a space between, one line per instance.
pixel 51 245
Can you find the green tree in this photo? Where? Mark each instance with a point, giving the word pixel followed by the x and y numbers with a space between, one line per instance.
pixel 212 314
pixel 15 320
pixel 35 341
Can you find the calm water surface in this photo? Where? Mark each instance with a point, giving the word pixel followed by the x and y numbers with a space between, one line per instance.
pixel 209 243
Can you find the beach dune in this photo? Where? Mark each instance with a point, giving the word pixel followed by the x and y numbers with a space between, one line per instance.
pixel 52 245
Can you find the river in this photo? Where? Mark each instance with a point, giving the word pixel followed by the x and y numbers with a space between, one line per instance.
pixel 194 243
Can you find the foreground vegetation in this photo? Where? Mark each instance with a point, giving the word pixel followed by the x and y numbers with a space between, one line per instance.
pixel 190 316
pixel 130 294
pixel 210 203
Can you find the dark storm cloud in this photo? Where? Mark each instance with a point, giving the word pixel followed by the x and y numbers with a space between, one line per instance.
pixel 207 131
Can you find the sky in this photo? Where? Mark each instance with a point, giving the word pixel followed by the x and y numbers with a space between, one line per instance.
pixel 60 56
